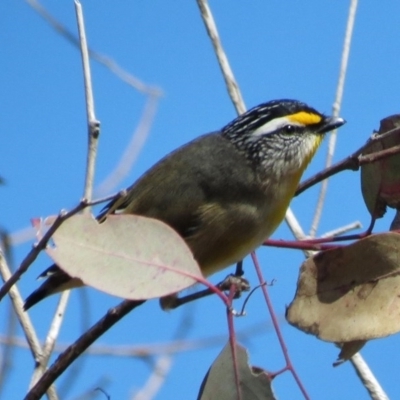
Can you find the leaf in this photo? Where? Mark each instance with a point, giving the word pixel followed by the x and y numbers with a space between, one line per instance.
pixel 350 293
pixel 380 181
pixel 219 382
pixel 128 256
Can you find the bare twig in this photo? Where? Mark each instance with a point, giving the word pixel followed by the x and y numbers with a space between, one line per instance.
pixel 6 361
pixel 51 337
pixel 352 162
pixel 227 73
pixel 93 135
pixel 160 370
pixel 67 384
pixel 140 133
pixel 152 349
pixel 294 225
pixel 26 324
pixel 29 233
pixel 41 245
pixel 366 376
pixel 342 230
pixel 296 229
pixel 336 109
pixel 93 123
pixel 275 322
pixel 100 58
pixel 7 354
pixel 76 349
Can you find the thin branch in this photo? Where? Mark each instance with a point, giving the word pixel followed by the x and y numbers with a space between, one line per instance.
pixel 69 379
pixel 7 354
pixel 26 324
pixel 93 136
pixel 230 312
pixel 6 362
pixel 227 73
pixel 275 322
pixel 65 359
pixel 160 370
pixel 296 229
pixel 41 245
pixel 368 379
pixel 51 336
pixel 100 58
pixel 153 349
pixel 343 229
pixel 336 109
pixel 79 346
pixel 352 162
pixel 93 123
pixel 294 225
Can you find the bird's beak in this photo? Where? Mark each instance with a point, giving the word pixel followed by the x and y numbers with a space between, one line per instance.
pixel 331 123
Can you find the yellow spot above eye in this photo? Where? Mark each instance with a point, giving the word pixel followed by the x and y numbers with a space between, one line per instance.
pixel 305 118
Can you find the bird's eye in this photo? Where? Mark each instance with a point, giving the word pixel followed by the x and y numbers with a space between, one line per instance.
pixel 290 129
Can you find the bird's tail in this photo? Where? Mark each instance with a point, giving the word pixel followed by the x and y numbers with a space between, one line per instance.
pixel 56 281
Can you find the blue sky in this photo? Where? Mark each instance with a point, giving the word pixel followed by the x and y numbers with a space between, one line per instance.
pixel 276 50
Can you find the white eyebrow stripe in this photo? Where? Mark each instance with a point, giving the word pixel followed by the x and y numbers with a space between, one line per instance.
pixel 273 125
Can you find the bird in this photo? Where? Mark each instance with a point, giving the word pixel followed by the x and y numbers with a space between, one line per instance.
pixel 224 192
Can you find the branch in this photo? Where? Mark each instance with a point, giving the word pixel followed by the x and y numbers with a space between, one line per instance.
pixel 152 349
pixel 109 63
pixel 93 133
pixel 51 337
pixel 367 378
pixel 93 123
pixel 41 245
pixel 66 358
pixel 354 161
pixel 342 230
pixel 26 324
pixel 76 349
pixel 275 322
pixel 160 370
pixel 7 355
pixel 336 109
pixel 93 136
pixel 227 73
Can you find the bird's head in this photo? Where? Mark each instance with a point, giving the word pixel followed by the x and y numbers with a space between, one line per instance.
pixel 280 135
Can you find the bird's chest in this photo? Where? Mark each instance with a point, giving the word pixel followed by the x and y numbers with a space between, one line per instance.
pixel 277 197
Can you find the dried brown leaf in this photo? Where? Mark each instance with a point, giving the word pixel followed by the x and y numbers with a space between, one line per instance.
pixel 380 181
pixel 350 293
